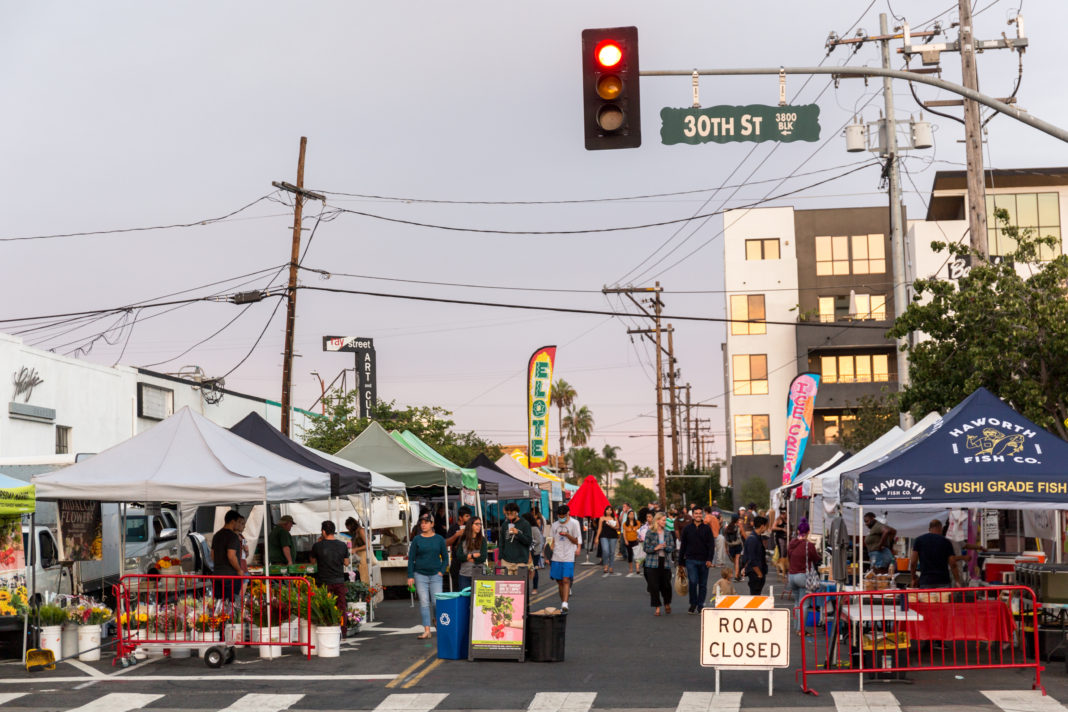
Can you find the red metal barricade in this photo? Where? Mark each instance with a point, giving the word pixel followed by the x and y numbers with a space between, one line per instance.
pixel 160 611
pixel 886 634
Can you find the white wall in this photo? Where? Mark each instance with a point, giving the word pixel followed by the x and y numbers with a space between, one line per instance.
pixel 777 281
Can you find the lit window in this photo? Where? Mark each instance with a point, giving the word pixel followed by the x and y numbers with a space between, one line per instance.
pixel 747 314
pixel 750 374
pixel 1038 212
pixel 869 254
pixel 855 368
pixel 752 435
pixel 835 426
pixel 832 255
pixel 762 249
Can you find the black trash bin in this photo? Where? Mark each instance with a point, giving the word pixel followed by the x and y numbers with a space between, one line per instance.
pixel 545 637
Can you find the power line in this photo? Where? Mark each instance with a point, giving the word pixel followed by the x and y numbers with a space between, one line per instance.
pixel 258 338
pixel 95 233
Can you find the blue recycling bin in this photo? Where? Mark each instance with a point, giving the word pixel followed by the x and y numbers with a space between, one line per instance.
pixel 454 624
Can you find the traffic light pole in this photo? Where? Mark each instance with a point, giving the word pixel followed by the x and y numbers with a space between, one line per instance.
pixel 1000 106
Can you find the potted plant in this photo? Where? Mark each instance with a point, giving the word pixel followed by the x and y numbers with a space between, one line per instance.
pixel 52 618
pixel 327 619
pixel 89 617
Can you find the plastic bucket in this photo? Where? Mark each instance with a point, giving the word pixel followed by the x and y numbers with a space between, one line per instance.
pixel 329 641
pixel 179 651
pixel 52 639
pixel 267 635
pixel 88 637
pixel 70 640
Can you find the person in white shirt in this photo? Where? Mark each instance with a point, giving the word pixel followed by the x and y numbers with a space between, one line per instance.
pixel 567 537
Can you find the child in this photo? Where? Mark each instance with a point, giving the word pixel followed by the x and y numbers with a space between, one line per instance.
pixel 723 587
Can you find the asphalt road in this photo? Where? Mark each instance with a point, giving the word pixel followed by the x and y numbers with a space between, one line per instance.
pixel 619 656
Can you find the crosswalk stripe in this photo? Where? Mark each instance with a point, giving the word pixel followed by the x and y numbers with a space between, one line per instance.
pixel 710 702
pixel 258 702
pixel 118 702
pixel 562 702
pixel 1023 701
pixel 416 702
pixel 865 702
pixel 6 697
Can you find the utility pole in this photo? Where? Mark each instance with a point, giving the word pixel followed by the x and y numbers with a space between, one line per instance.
pixel 689 426
pixel 673 401
pixel 897 233
pixel 299 194
pixel 973 133
pixel 658 307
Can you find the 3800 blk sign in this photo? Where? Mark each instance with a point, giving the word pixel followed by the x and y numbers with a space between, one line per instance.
pixel 755 122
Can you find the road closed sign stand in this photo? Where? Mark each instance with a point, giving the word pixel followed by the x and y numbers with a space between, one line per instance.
pixel 745 633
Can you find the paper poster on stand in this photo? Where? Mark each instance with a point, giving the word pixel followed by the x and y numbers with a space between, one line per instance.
pixel 80 529
pixel 498 610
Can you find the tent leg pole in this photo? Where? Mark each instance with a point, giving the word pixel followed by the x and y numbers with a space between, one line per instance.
pixel 446 491
pixel 860 549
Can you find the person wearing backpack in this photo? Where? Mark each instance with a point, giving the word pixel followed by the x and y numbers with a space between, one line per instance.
pixel 801 554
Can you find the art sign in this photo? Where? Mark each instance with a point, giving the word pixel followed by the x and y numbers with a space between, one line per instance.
pixel 539 390
pixel 366 372
pixel 800 404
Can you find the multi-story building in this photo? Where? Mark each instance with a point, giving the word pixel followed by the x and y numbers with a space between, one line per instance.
pixel 798 284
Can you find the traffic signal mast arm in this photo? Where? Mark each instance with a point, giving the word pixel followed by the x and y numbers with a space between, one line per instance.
pixel 1000 106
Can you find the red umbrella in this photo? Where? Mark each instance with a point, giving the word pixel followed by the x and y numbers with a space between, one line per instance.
pixel 589 500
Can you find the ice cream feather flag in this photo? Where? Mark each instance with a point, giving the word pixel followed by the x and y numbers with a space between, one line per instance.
pixel 799 408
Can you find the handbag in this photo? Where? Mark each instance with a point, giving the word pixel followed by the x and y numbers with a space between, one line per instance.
pixel 682 584
pixel 812 579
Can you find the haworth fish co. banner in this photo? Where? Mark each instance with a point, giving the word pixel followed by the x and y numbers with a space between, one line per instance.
pixel 799 408
pixel 539 389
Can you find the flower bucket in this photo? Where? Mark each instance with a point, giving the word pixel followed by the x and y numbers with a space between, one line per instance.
pixel 70 640
pixel 328 641
pixel 88 637
pixel 179 651
pixel 303 635
pixel 290 632
pixel 267 635
pixel 235 633
pixel 52 639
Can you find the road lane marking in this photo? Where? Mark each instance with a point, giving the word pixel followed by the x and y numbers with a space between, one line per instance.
pixel 409 670
pixel 562 702
pixel 87 669
pixel 118 702
pixel 416 702
pixel 710 702
pixel 196 678
pixel 548 594
pixel 6 697
pixel 865 702
pixel 1023 701
pixel 422 674
pixel 259 702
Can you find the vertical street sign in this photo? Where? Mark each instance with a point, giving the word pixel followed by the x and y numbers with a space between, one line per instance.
pixel 366 373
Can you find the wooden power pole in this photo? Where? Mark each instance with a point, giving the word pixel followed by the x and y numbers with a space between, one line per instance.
pixel 299 194
pixel 673 401
pixel 973 133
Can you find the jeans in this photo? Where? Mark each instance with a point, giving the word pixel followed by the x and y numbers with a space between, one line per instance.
pixel 756 583
pixel 797 588
pixel 608 551
pixel 537 563
pixel 697 572
pixel 464 581
pixel 881 558
pixel 427 587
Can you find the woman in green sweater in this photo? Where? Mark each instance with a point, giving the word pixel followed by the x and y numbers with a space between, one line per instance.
pixel 428 561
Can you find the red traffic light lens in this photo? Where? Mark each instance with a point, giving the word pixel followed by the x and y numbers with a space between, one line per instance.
pixel 608 54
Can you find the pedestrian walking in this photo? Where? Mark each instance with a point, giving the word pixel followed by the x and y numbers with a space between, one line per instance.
pixel 659 548
pixel 330 557
pixel 567 538
pixel 608 536
pixel 732 535
pixel 696 549
pixel 630 539
pixel 800 553
pixel 780 536
pixel 755 557
pixel 428 564
pixel 472 551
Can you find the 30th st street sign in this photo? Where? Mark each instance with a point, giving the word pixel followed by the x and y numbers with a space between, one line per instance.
pixel 755 122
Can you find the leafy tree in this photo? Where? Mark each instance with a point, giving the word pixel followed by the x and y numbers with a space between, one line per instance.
pixel 639 471
pixel 628 490
pixel 874 416
pixel 563 396
pixel 756 490
pixel 585 461
pixel 1003 326
pixel 610 454
pixel 430 423
pixel 696 487
pixel 579 425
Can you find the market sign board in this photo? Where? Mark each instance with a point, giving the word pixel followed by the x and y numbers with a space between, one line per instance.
pixel 726 124
pixel 366 370
pixel 498 617
pixel 80 529
pixel 745 638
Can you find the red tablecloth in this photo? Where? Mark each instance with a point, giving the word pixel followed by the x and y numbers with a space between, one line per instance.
pixel 981 620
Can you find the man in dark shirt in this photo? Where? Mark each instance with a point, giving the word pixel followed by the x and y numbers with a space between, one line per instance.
pixel 756 563
pixel 225 555
pixel 456 530
pixel 330 557
pixel 280 543
pixel 696 551
pixel 515 541
pixel 933 553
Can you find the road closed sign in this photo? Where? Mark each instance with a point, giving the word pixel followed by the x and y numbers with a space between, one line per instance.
pixel 745 638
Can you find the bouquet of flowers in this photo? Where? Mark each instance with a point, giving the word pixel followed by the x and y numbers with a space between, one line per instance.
pixel 324 609
pixel 353 619
pixel 13 602
pixel 205 623
pixel 137 619
pixel 167 562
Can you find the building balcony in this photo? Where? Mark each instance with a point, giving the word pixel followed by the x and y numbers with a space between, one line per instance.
pixel 814 335
pixel 847 395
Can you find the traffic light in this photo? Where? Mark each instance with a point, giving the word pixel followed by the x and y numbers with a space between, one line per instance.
pixel 610 100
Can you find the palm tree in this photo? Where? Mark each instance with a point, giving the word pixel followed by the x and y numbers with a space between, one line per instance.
pixel 563 394
pixel 579 425
pixel 612 463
